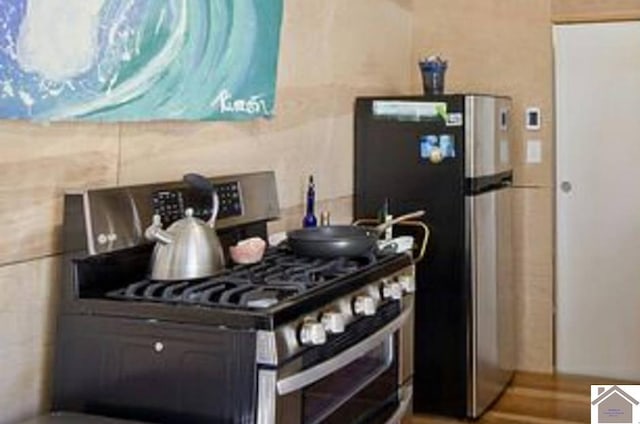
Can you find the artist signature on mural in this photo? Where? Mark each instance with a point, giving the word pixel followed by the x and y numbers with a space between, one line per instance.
pixel 225 103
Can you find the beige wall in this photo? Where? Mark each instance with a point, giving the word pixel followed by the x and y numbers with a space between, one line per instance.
pixel 331 51
pixel 504 47
pixel 595 10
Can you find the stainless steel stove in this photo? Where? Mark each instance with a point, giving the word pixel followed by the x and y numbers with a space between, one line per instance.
pixel 287 340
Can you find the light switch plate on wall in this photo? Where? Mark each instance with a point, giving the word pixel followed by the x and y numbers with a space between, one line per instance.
pixel 533 118
pixel 534 151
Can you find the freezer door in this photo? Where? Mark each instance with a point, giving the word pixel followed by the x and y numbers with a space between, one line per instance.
pixel 492 332
pixel 487 135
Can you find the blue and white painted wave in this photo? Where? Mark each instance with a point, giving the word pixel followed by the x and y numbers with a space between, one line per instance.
pixel 131 60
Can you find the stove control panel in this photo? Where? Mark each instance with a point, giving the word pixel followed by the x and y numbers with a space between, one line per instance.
pixel 230 199
pixel 407 283
pixel 312 333
pixel 392 290
pixel 320 326
pixel 333 322
pixel 364 306
pixel 171 204
pixel 107 219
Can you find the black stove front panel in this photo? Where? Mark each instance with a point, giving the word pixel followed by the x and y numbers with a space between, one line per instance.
pixel 155 372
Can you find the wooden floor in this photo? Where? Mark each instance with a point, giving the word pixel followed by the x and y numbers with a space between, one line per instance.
pixel 536 399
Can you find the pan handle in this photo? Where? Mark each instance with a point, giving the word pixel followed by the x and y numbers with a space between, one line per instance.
pixel 425 239
pixel 381 227
pixel 419 224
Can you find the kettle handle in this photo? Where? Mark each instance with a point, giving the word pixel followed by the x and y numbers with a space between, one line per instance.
pixel 215 208
pixel 201 183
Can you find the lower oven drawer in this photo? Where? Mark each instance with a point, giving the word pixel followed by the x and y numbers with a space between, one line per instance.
pixel 154 372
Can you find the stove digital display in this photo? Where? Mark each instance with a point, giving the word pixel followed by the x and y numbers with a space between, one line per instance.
pixel 230 199
pixel 171 204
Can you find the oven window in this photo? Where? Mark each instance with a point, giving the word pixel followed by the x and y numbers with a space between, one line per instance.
pixel 354 392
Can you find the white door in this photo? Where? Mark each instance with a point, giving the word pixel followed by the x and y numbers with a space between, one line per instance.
pixel 598 199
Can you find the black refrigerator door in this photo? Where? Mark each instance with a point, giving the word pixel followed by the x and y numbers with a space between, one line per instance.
pixel 392 156
pixel 390 164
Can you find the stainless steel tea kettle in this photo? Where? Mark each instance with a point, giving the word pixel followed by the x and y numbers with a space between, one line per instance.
pixel 189 248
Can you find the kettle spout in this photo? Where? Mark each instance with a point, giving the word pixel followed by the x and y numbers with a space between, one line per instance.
pixel 154 232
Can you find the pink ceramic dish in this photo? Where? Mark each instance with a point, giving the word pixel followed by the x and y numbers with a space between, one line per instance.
pixel 248 251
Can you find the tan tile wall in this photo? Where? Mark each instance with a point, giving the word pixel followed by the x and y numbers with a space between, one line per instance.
pixel 331 51
pixel 565 11
pixel 499 47
pixel 504 47
pixel 27 319
pixel 38 162
pixel 533 257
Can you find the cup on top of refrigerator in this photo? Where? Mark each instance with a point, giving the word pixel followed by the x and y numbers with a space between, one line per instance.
pixel 433 71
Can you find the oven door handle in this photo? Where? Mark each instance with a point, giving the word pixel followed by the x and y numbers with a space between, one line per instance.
pixel 318 372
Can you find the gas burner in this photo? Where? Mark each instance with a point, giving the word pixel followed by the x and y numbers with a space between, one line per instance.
pixel 227 291
pixel 280 275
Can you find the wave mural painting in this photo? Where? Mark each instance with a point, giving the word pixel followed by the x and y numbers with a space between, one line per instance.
pixel 135 60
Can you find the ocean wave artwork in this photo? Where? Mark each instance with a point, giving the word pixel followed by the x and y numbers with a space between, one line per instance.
pixel 138 60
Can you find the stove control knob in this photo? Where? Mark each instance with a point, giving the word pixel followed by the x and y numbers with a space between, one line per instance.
pixel 408 283
pixel 312 333
pixel 364 306
pixel 392 291
pixel 333 322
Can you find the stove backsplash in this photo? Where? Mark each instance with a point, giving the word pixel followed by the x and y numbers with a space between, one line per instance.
pixel 105 220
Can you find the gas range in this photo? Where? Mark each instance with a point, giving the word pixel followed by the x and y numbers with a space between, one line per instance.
pixel 289 339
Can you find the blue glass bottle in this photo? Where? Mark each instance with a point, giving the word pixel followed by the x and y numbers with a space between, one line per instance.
pixel 309 219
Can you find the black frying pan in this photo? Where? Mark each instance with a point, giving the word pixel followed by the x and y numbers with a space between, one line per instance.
pixel 340 240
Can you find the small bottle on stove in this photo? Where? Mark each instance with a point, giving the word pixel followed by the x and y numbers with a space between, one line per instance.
pixel 325 218
pixel 386 216
pixel 310 219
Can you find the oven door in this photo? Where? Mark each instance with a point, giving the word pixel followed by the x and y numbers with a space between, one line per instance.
pixel 366 382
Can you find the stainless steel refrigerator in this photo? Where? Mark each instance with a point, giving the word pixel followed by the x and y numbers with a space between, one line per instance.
pixel 448 155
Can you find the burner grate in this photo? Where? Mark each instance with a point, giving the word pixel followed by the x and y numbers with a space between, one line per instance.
pixel 279 276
